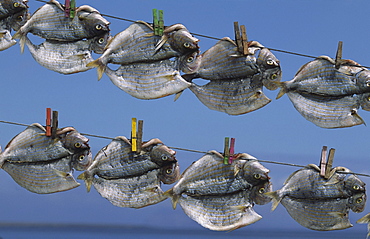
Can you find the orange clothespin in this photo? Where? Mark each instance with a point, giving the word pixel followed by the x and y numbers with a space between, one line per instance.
pixel 241 38
pixel 133 135
pixel 232 151
pixel 226 150
pixel 48 122
pixel 338 56
pixel 323 161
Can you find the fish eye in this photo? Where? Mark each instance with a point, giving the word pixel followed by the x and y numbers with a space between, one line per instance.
pixel 356 187
pixel 16 4
pixel 78 145
pixel 368 84
pixel 368 98
pixel 164 157
pixel 273 77
pixel 262 190
pixel 20 18
pixel 270 62
pixel 257 176
pixel 81 158
pixel 98 27
pixel 190 59
pixel 169 171
pixel 186 44
pixel 101 40
pixel 359 200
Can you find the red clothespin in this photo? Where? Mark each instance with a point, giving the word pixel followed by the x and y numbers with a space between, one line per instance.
pixel 226 150
pixel 241 38
pixel 338 56
pixel 48 122
pixel 232 151
pixel 323 161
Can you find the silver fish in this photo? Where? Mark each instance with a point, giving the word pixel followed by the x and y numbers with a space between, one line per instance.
pixel 221 212
pixel 72 139
pixel 210 176
pixel 270 69
pixel 223 62
pixel 10 7
pixel 134 192
pixel 320 77
pixel 365 101
pixel 307 183
pixel 17 20
pixel 134 44
pixel 258 195
pixel 328 112
pixel 6 40
pixel 32 145
pixel 233 97
pixel 82 160
pixel 321 215
pixel 149 80
pixel 43 177
pixel 49 22
pixel 116 161
pixel 169 173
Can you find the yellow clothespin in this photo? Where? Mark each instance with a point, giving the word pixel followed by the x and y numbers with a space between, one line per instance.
pixel 323 161
pixel 241 38
pixel 133 135
pixel 338 56
pixel 226 150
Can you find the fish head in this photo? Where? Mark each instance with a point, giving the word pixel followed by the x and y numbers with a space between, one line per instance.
pixel 92 21
pixel 18 19
pixel 14 6
pixel 357 202
pixel 169 173
pixel 362 79
pixel 82 160
pixel 99 43
pixel 354 185
pixel 73 140
pixel 258 193
pixel 162 155
pixel 190 63
pixel 181 39
pixel 365 101
pixel 270 69
pixel 255 173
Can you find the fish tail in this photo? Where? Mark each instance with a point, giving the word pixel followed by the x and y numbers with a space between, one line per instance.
pixel 283 89
pixel 174 197
pixel 275 199
pixel 177 95
pixel 22 38
pixel 87 178
pixel 100 67
pixel 365 219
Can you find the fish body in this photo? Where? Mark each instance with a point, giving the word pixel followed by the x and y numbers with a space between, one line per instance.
pixel 223 62
pixel 234 97
pixel 321 215
pixel 320 77
pixel 6 40
pixel 43 177
pixel 134 44
pixel 169 173
pixel 221 212
pixel 134 192
pixel 149 80
pixel 270 69
pixel 32 145
pixel 49 22
pixel 10 7
pixel 328 112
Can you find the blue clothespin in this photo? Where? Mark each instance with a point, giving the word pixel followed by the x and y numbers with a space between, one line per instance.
pixel 158 23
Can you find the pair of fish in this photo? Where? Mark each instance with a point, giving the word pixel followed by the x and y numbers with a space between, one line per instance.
pixel 328 96
pixel 132 179
pixel 221 196
pixel 150 65
pixel 13 15
pixel 42 164
pixel 236 80
pixel 318 203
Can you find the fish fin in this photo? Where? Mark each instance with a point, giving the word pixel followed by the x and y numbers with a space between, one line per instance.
pixel 236 169
pixel 78 56
pixel 61 173
pixel 365 219
pixel 337 214
pixel 88 181
pixel 100 67
pixel 275 199
pixel 282 91
pixel 174 197
pixel 177 95
pixel 160 43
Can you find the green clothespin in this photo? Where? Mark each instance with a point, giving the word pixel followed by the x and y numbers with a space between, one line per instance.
pixel 72 10
pixel 226 151
pixel 161 23
pixel 158 23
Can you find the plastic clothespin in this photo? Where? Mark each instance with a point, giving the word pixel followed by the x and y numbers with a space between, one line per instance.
pixel 338 56
pixel 241 38
pixel 133 135
pixel 323 161
pixel 158 23
pixel 73 9
pixel 231 150
pixel 226 150
pixel 329 163
pixel 48 122
pixel 54 124
pixel 140 135
pixel 67 10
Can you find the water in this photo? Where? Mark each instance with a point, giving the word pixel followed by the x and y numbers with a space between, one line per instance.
pixel 58 231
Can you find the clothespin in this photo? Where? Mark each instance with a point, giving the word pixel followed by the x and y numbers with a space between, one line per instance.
pixel 323 161
pixel 338 56
pixel 67 10
pixel 326 163
pixel 54 124
pixel 226 150
pixel 73 9
pixel 140 135
pixel 48 122
pixel 51 123
pixel 241 38
pixel 231 150
pixel 133 135
pixel 158 23
pixel 329 164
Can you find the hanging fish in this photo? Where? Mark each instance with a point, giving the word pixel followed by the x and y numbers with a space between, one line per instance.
pixel 223 62
pixel 137 43
pixel 117 160
pixel 149 80
pixel 6 40
pixel 258 191
pixel 18 19
pixel 307 183
pixel 320 77
pixel 66 57
pixel 134 192
pixel 221 212
pixel 10 7
pixel 49 22
pixel 210 176
pixel 32 145
pixel 72 139
pixel 365 101
pixel 169 173
pixel 270 69
pixel 234 97
pixel 328 112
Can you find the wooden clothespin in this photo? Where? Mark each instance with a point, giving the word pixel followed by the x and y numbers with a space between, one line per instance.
pixel 226 150
pixel 48 122
pixel 133 135
pixel 338 56
pixel 231 150
pixel 158 22
pixel 329 163
pixel 326 163
pixel 324 152
pixel 51 123
pixel 54 126
pixel 140 135
pixel 241 38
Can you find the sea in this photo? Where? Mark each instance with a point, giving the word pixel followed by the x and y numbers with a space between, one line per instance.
pixel 59 231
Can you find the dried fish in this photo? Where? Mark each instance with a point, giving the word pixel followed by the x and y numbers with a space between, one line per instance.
pixel 10 7
pixel 169 173
pixel 270 69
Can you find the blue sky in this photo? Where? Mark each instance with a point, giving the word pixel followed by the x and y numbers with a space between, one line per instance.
pixel 276 132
